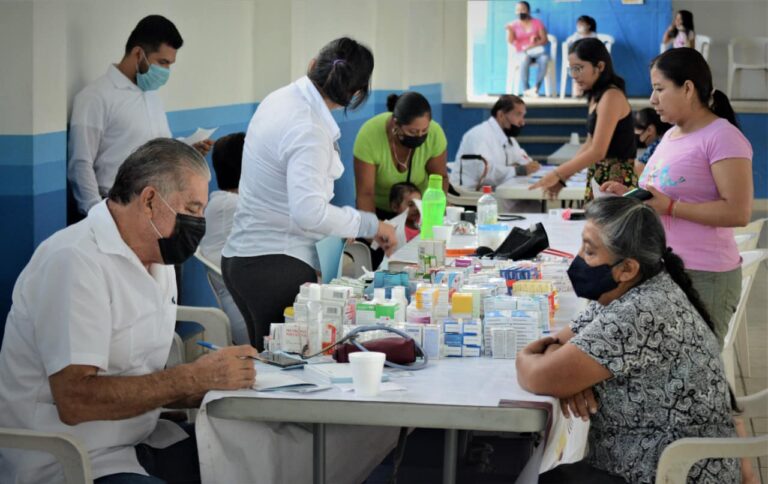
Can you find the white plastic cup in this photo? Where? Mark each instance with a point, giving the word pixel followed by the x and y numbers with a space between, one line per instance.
pixel 575 138
pixel 453 214
pixel 441 232
pixel 367 368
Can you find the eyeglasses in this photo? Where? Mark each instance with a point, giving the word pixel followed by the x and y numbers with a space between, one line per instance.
pixel 575 70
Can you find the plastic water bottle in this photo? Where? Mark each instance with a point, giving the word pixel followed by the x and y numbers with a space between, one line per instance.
pixel 315 319
pixel 433 206
pixel 487 208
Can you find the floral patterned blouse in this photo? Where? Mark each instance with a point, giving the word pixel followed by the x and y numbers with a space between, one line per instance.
pixel 668 382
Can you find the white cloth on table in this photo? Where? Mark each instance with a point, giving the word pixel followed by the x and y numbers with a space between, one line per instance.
pixel 290 162
pixel 84 299
pixel 111 117
pixel 281 453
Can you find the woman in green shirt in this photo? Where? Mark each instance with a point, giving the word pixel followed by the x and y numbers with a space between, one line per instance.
pixel 403 145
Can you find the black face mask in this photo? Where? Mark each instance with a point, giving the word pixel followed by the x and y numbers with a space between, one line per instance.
pixel 591 282
pixel 639 143
pixel 412 142
pixel 524 16
pixel 183 242
pixel 512 131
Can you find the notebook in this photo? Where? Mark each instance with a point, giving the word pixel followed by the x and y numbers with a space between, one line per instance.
pixel 335 372
pixel 271 381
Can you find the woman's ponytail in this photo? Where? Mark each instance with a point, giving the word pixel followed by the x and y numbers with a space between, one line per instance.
pixel 722 108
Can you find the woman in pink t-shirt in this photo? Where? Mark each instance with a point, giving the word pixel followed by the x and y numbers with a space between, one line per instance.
pixel 528 36
pixel 701 178
pixel 680 33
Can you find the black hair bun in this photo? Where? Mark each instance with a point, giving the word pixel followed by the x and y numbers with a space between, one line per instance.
pixel 391 101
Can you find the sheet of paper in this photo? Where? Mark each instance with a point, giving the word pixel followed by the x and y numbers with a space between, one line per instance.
pixel 200 135
pixel 278 380
pixel 599 193
pixel 383 387
pixel 398 223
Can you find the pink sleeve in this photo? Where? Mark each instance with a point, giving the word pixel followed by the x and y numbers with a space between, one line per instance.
pixel 729 143
pixel 539 25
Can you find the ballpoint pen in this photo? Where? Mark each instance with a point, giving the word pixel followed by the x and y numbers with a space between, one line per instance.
pixel 213 347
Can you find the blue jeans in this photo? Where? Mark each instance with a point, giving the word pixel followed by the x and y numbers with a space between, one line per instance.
pixel 525 67
pixel 177 464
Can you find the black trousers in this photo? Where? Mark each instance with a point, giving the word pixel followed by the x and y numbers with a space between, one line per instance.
pixel 263 287
pixel 578 472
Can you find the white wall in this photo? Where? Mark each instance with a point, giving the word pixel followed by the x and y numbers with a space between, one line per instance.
pixel 723 20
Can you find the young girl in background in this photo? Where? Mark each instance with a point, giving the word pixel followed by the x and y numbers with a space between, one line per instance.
pixel 401 198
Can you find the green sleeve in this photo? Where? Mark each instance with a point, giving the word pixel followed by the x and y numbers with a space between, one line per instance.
pixel 363 148
pixel 440 142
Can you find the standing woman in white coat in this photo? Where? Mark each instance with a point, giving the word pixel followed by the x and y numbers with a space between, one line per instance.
pixel 290 162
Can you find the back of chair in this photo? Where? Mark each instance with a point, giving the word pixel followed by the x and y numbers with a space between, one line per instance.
pixel 608 40
pixel 702 44
pixel 552 48
pixel 748 51
pixel 66 449
pixel 330 251
pixel 214 321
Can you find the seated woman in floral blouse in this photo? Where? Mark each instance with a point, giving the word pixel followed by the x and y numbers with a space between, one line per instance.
pixel 644 345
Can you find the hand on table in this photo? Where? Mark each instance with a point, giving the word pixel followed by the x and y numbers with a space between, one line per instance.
pixel 203 147
pixel 550 183
pixel 581 405
pixel 229 368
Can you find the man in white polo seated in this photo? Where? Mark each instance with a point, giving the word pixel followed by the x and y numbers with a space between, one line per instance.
pixel 502 156
pixel 91 325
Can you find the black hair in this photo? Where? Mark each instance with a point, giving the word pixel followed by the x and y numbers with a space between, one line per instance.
pixel 593 50
pixel 686 64
pixel 506 103
pixel 631 229
pixel 648 116
pixel 687 18
pixel 227 157
pixel 408 106
pixel 151 32
pixel 342 72
pixel 399 191
pixel 527 5
pixel 592 23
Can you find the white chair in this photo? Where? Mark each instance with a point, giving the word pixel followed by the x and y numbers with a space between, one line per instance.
pixel 700 43
pixel 361 258
pixel 737 326
pixel 678 457
pixel 608 40
pixel 747 54
pixel 745 241
pixel 513 69
pixel 216 330
pixel 66 449
pixel 465 197
pixel 208 263
pixel 754 229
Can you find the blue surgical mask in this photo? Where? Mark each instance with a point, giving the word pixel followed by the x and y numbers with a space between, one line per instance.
pixel 591 282
pixel 154 78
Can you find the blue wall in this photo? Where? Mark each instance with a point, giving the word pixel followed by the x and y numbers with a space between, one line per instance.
pixel 637 29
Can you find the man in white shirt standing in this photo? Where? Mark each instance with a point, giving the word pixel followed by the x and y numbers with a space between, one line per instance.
pixel 91 326
pixel 494 141
pixel 121 110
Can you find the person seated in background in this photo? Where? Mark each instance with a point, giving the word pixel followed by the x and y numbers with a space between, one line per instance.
pixel 401 198
pixel 586 27
pixel 642 361
pixel 503 158
pixel 528 36
pixel 91 326
pixel 680 32
pixel 402 145
pixel 649 129
pixel 227 159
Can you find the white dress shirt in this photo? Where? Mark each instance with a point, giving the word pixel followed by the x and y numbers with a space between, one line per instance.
pixel 502 153
pixel 290 162
pixel 111 117
pixel 84 299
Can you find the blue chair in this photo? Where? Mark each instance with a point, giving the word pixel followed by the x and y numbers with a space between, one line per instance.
pixel 330 251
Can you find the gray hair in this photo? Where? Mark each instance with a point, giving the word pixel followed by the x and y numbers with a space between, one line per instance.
pixel 160 163
pixel 630 229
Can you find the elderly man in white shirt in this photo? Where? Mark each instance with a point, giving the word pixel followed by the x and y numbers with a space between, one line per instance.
pixel 502 157
pixel 121 110
pixel 92 322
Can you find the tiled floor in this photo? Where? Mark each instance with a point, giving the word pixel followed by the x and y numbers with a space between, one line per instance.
pixel 757 324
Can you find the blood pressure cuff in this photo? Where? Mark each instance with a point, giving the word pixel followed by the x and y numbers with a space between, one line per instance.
pixel 397 350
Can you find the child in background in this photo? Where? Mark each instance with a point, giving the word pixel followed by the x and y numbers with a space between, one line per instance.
pixel 649 129
pixel 401 198
pixel 586 26
pixel 681 33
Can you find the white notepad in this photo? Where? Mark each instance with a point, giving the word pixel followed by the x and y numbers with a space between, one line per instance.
pixel 335 372
pixel 271 381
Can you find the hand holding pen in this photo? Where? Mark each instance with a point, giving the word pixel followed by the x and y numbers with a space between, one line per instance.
pixel 227 368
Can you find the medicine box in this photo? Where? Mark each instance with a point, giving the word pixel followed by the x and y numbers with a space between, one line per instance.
pixel 470 351
pixel 365 313
pixel 431 341
pixel 452 351
pixel 385 312
pixel 451 327
pixel 472 340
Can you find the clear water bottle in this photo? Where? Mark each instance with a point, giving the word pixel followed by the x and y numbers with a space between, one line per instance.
pixel 487 208
pixel 433 206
